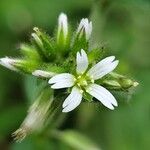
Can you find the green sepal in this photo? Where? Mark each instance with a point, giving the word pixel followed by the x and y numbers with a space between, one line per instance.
pixel 79 43
pixel 95 55
pixel 62 42
pixel 29 52
pixel 38 44
pixel 52 68
pixel 48 44
pixel 26 65
pixel 87 97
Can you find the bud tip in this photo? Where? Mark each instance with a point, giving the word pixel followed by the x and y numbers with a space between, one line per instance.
pixel 135 84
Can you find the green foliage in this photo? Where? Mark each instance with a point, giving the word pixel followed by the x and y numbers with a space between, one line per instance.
pixel 76 140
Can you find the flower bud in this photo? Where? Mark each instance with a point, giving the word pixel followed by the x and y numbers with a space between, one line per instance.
pixel 119 83
pixel 127 83
pixel 62 33
pixel 9 63
pixel 63 25
pixel 84 29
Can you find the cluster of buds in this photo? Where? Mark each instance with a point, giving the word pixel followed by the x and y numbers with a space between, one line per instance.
pixel 53 59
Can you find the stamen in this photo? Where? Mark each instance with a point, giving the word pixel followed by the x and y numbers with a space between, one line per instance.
pixel 79 77
pixel 81 91
pixel 78 84
pixel 92 80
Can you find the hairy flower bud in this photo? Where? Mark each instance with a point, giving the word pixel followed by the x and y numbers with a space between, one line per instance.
pixel 119 82
pixel 62 32
pixel 62 25
pixel 9 63
pixel 84 29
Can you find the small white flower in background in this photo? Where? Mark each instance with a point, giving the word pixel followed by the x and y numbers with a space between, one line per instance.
pixel 44 74
pixel 83 81
pixel 62 25
pixel 85 28
pixel 8 63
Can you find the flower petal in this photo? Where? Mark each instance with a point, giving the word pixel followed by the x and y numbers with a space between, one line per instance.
pixel 62 84
pixel 41 73
pixel 103 95
pixel 63 80
pixel 102 68
pixel 82 62
pixel 60 77
pixel 107 69
pixel 100 64
pixel 73 100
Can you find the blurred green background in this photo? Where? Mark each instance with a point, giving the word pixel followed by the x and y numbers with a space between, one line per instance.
pixel 124 27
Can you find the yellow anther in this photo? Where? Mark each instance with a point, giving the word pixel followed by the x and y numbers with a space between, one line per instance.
pixel 79 77
pixel 92 80
pixel 81 91
pixel 78 84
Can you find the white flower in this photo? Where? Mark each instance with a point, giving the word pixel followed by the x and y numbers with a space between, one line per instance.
pixel 44 74
pixel 62 25
pixel 83 81
pixel 85 27
pixel 8 63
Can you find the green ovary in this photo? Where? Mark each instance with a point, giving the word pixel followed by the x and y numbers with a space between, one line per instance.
pixel 82 81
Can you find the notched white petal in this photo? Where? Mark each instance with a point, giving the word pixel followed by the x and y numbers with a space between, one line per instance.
pixel 107 60
pixel 82 62
pixel 101 64
pixel 102 68
pixel 73 100
pixel 62 84
pixel 105 70
pixel 60 77
pixel 63 80
pixel 43 74
pixel 103 95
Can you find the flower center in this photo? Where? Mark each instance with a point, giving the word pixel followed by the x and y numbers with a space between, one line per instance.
pixel 83 80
